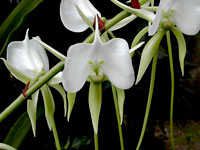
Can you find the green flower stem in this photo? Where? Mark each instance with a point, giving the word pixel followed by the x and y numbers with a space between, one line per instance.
pixel 118 117
pixel 96 144
pixel 31 90
pixel 172 87
pixel 151 88
pixel 55 133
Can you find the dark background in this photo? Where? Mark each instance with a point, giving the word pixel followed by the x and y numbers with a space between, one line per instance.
pixel 44 21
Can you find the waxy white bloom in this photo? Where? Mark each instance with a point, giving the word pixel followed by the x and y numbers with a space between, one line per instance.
pixel 98 62
pixel 70 16
pixel 27 61
pixel 183 13
pixel 28 57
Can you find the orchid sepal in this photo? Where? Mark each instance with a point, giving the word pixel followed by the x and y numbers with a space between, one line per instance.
pixel 95 100
pixel 62 92
pixel 71 100
pixel 32 110
pixel 49 105
pixel 181 47
pixel 148 52
pixel 121 99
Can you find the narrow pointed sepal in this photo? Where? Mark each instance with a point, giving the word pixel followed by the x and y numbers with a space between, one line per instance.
pixel 121 99
pixel 62 92
pixel 32 110
pixel 95 100
pixel 148 52
pixel 71 100
pixel 49 105
pixel 181 47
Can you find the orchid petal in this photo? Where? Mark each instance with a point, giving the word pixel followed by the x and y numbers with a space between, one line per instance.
pixel 77 68
pixel 16 73
pixel 70 16
pixel 27 56
pixel 56 79
pixel 32 110
pixel 6 147
pixel 117 64
pixel 186 16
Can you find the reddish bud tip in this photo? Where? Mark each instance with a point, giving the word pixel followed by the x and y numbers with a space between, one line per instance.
pixel 135 4
pixel 101 24
pixel 25 89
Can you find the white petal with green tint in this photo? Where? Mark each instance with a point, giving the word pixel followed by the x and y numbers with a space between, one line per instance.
pixel 16 73
pixel 49 105
pixel 6 147
pixel 32 110
pixel 70 16
pixel 27 56
pixel 95 100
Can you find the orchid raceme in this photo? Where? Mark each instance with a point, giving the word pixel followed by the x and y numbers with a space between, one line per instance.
pixel 70 15
pixel 97 62
pixel 27 61
pixel 182 13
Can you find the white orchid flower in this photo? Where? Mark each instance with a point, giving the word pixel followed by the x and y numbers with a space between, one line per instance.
pixel 183 13
pixel 71 17
pixel 27 61
pixel 97 61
